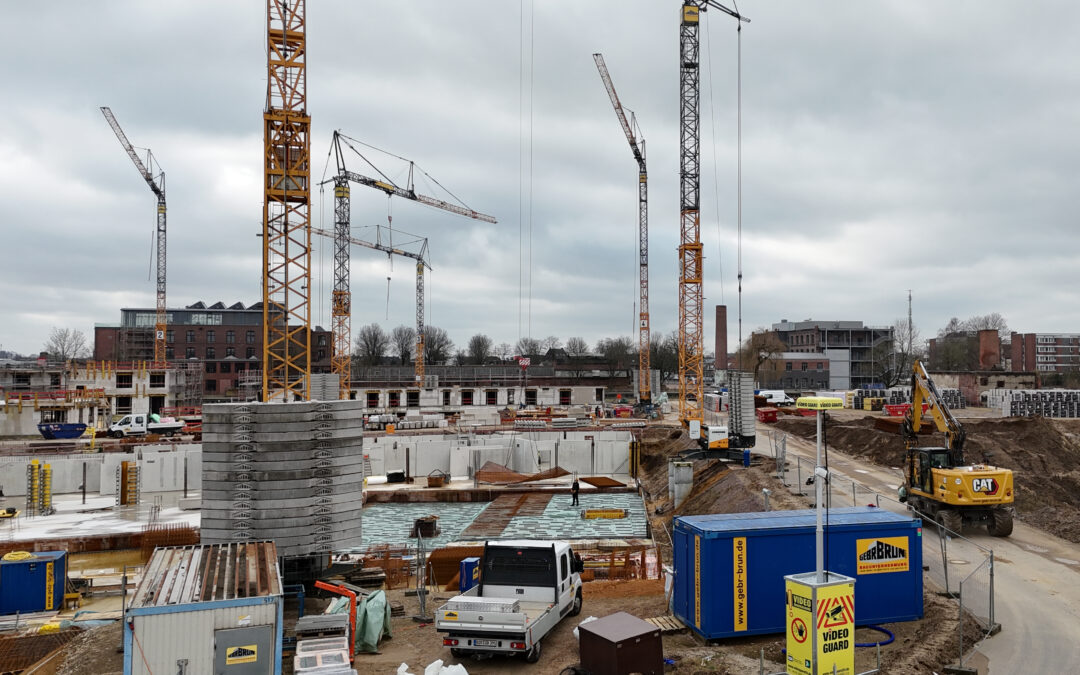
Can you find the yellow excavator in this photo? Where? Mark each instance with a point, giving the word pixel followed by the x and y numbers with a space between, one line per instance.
pixel 938 482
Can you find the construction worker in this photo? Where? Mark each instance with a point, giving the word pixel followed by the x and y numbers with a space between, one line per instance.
pixel 574 489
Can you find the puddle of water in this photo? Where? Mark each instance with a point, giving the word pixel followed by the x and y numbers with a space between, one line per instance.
pixel 958 562
pixel 1036 549
pixel 1067 561
pixel 861 471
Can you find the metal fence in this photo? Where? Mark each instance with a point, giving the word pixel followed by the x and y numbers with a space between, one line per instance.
pixel 965 567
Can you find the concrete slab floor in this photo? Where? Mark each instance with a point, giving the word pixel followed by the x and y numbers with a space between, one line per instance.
pixel 97 517
pixel 391 523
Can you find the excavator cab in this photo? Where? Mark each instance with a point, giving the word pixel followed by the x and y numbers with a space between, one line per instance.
pixel 927 460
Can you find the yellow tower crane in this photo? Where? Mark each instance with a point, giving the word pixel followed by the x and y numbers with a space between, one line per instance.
pixel 286 233
pixel 691 269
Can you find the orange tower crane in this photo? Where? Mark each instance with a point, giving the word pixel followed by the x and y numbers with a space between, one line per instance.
pixel 286 235
pixel 157 186
pixel 340 307
pixel 691 272
pixel 637 147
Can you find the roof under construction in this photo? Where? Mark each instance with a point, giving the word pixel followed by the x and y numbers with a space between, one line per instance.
pixel 209 573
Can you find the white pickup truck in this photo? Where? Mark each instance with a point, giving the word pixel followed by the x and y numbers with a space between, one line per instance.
pixel 526 587
pixel 138 425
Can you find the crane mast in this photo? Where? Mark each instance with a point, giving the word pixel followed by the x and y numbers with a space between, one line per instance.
pixel 638 150
pixel 691 272
pixel 341 360
pixel 286 234
pixel 157 186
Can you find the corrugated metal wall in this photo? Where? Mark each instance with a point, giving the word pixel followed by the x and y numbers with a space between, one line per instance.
pixel 164 638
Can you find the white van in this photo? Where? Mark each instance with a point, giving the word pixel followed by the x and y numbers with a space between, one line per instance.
pixel 777 397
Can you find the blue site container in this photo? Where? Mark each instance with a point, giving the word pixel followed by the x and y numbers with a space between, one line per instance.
pixel 469 574
pixel 34 584
pixel 729 568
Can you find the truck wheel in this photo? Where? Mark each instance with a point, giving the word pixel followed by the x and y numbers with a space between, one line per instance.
pixel 951 520
pixel 575 609
pixel 533 655
pixel 1001 523
pixel 116 434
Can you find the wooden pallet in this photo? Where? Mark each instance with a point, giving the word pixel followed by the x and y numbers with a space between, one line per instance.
pixel 667 624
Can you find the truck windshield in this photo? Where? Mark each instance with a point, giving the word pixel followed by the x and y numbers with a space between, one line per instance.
pixel 519 567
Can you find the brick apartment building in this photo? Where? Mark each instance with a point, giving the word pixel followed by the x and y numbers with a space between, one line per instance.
pixel 227 340
pixel 1046 352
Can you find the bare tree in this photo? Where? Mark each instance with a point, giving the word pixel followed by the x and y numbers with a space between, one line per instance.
pixel 460 358
pixel 503 350
pixel 576 347
pixel 372 343
pixel 618 353
pixel 479 349
pixel 664 354
pixel 527 346
pixel 894 358
pixel 66 343
pixel 402 342
pixel 438 347
pixel 993 321
pixel 760 352
pixel 955 325
pixel 550 342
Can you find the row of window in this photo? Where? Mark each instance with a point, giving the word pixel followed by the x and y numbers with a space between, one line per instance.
pixel 805 366
pixel 211 336
pixel 230 337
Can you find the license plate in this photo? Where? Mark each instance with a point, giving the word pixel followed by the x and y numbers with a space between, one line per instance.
pixel 485 643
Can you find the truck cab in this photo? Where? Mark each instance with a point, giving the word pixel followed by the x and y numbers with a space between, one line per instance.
pixel 526 587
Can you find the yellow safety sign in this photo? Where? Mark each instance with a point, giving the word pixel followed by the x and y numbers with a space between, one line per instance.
pixel 241 654
pixel 800 620
pixel 836 629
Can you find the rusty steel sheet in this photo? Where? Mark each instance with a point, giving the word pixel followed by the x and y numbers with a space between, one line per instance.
pixel 602 481
pixel 491 472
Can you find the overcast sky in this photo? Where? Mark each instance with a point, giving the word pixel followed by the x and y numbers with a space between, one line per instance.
pixel 886 146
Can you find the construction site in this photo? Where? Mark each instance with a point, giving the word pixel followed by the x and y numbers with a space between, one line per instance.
pixel 234 488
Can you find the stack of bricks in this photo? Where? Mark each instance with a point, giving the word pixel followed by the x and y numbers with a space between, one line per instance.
pixel 287 472
pixel 1032 403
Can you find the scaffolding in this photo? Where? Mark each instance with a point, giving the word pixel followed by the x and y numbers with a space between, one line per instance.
pixel 189 383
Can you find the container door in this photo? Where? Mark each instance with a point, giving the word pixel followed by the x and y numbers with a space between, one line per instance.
pixel 244 651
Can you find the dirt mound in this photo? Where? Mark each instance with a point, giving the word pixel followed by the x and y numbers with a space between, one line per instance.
pixel 94 652
pixel 1043 454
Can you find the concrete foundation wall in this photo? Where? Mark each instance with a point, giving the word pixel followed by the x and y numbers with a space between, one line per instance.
pixel 161 470
pixel 602 452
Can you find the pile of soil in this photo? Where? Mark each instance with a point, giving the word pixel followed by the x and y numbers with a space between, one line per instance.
pixel 718 487
pixel 1043 454
pixel 93 653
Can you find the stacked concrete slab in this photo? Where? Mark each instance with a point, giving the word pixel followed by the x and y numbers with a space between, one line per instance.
pixel 288 472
